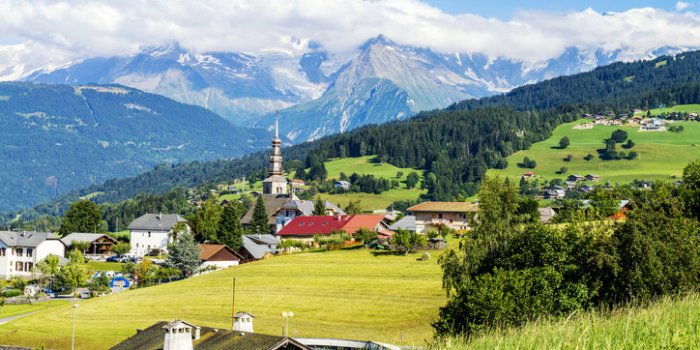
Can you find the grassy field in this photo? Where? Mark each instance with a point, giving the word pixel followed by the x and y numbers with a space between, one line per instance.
pixel 661 154
pixel 346 294
pixel 368 165
pixel 12 310
pixel 104 266
pixel 667 324
pixel 677 108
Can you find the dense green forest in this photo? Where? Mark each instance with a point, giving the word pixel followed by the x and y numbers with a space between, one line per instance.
pixel 454 146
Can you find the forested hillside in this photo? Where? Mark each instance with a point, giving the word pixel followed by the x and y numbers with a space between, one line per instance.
pixel 456 145
pixel 58 138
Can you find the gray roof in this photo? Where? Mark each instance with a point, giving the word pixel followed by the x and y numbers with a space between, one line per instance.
pixel 257 250
pixel 306 207
pixel 546 214
pixel 84 237
pixel 272 205
pixel 405 223
pixel 160 222
pixel 26 239
pixel 265 239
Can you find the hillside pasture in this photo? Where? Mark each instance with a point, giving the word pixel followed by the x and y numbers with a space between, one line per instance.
pixel 677 108
pixel 662 155
pixel 343 294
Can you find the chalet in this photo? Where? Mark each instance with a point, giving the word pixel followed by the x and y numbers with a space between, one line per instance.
pixel 575 178
pixel 100 243
pixel 21 251
pixel 273 204
pixel 455 215
pixel 298 183
pixel 592 177
pixel 342 184
pixel 151 233
pixel 529 174
pixel 218 255
pixel 585 189
pixel 623 207
pixel 181 335
pixel 554 193
pixel 256 247
pixel 298 207
pixel 306 227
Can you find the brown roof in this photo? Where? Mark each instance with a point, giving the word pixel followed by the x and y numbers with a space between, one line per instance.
pixel 216 252
pixel 445 207
pixel 272 205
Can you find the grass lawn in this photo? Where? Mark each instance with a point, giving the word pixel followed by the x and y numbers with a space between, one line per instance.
pixel 369 165
pixel 345 294
pixel 661 154
pixel 677 108
pixel 667 324
pixel 104 266
pixel 12 310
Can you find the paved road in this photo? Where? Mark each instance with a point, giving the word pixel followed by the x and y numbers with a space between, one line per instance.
pixel 11 318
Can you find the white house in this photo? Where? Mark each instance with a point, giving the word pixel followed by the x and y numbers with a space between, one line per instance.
pixel 153 232
pixel 20 251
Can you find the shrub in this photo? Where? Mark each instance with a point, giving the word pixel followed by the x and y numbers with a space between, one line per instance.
pixel 588 157
pixel 568 157
pixel 564 142
pixel 11 293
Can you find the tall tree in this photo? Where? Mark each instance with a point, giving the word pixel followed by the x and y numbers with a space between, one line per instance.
pixel 83 216
pixel 183 255
pixel 206 220
pixel 319 206
pixel 564 142
pixel 259 223
pixel 353 207
pixel 230 228
pixel 411 180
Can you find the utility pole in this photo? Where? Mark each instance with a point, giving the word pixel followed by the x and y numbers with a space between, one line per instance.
pixel 72 339
pixel 233 304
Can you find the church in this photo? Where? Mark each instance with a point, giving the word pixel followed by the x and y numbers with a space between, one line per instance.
pixel 277 189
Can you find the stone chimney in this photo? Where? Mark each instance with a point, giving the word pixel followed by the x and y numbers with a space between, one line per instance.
pixel 243 322
pixel 179 335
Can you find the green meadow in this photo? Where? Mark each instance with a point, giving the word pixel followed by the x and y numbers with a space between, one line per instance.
pixel 662 155
pixel 355 294
pixel 677 108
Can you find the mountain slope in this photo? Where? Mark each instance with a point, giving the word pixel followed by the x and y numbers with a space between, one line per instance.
pixel 57 138
pixel 320 93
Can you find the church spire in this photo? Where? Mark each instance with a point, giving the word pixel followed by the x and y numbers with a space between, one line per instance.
pixel 277 126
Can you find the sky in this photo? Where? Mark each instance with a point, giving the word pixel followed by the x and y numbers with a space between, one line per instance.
pixel 49 33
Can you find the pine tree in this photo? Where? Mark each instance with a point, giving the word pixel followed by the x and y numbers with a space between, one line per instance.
pixel 259 223
pixel 183 255
pixel 83 216
pixel 319 206
pixel 230 228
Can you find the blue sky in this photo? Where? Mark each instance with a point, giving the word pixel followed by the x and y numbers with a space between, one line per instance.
pixel 505 9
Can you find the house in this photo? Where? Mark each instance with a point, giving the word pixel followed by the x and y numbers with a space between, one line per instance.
pixel 218 256
pixel 298 207
pixel 304 228
pixel 586 189
pixel 554 193
pixel 546 214
pixel 21 251
pixel 592 177
pixel 575 178
pixel 100 243
pixel 407 223
pixel 181 335
pixel 455 215
pixel 151 233
pixel 256 247
pixel 273 204
pixel 529 174
pixel 623 207
pixel 342 184
pixel 298 183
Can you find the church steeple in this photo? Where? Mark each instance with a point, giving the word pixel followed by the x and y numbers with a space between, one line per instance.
pixel 275 184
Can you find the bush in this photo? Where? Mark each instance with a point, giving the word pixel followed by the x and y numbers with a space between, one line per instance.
pixel 12 293
pixel 564 142
pixel 568 157
pixel 588 157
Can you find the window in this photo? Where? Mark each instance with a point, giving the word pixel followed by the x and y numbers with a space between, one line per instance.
pixel 2 251
pixel 18 251
pixel 28 266
pixel 29 252
pixel 149 234
pixel 19 266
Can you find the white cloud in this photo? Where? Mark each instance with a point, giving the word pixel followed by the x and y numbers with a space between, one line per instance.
pixel 682 5
pixel 78 28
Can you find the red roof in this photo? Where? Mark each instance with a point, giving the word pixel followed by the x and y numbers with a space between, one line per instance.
pixel 325 225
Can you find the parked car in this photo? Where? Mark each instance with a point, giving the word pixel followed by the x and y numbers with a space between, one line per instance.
pixel 113 258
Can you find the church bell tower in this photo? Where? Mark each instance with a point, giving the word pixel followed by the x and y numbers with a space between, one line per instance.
pixel 276 183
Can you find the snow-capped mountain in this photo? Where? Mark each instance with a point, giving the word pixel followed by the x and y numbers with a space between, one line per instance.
pixel 318 93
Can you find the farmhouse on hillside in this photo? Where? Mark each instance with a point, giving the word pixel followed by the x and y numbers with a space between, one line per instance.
pixel 218 256
pixel 151 233
pixel 455 215
pixel 20 251
pixel 304 228
pixel 100 243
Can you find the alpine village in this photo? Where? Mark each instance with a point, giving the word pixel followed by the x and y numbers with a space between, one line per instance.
pixel 441 175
